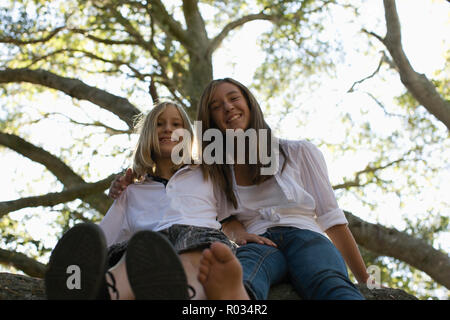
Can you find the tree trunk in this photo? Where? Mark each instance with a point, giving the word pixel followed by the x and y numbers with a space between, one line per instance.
pixel 18 287
pixel 200 76
pixel 200 57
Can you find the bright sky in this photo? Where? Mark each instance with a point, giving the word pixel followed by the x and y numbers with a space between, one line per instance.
pixel 423 42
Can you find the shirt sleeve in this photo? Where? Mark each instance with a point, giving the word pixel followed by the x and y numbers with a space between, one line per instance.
pixel 314 174
pixel 115 223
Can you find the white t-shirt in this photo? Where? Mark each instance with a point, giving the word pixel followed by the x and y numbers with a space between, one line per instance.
pixel 301 196
pixel 187 199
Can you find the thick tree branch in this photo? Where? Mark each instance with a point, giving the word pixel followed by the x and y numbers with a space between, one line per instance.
pixel 393 243
pixel 158 12
pixel 74 88
pixel 18 287
pixel 57 167
pixel 20 42
pixel 195 23
pixel 417 84
pixel 20 261
pixel 52 199
pixel 153 91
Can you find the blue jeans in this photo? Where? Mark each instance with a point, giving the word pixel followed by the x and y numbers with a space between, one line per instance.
pixel 307 259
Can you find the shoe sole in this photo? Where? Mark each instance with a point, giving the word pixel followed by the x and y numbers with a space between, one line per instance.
pixel 154 269
pixel 77 264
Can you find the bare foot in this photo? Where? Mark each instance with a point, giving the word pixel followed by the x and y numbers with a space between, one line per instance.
pixel 220 273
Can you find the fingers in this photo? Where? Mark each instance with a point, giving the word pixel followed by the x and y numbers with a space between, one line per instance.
pixel 119 184
pixel 257 239
pixel 203 269
pixel 268 242
pixel 112 193
pixel 129 176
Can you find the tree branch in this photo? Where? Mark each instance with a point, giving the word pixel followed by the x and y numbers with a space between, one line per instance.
pixel 102 40
pixel 195 24
pixel 109 130
pixel 19 42
pixel 393 243
pixel 378 102
pixel 74 88
pixel 115 62
pixel 153 92
pixel 356 182
pixel 57 167
pixel 20 261
pixel 370 76
pixel 417 84
pixel 52 199
pixel 158 12
pixel 217 40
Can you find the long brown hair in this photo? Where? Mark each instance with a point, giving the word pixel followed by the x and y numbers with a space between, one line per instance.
pixel 220 174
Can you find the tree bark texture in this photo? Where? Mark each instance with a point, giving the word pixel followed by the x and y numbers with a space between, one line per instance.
pixel 393 243
pixel 18 287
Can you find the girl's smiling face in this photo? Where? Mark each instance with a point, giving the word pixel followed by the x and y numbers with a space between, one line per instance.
pixel 168 121
pixel 229 108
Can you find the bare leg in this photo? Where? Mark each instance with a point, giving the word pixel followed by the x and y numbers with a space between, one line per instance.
pixel 191 264
pixel 220 273
pixel 190 261
pixel 122 284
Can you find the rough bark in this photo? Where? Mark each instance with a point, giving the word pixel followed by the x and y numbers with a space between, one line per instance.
pixel 200 59
pixel 285 291
pixel 18 287
pixel 20 261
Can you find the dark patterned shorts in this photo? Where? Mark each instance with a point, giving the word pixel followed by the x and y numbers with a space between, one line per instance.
pixel 183 238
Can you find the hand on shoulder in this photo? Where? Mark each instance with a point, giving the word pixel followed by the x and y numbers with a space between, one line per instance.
pixel 120 183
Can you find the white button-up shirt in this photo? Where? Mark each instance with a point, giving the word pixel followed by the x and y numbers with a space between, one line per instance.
pixel 187 199
pixel 301 196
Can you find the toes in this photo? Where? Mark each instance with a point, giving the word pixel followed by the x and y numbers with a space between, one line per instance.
pixel 203 271
pixel 207 255
pixel 202 277
pixel 221 252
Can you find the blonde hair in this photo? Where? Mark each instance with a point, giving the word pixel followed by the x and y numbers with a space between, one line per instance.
pixel 148 144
